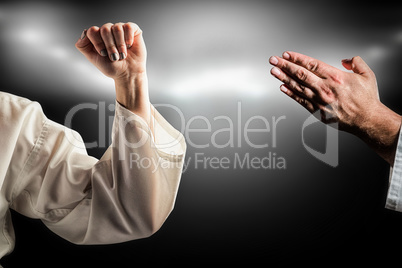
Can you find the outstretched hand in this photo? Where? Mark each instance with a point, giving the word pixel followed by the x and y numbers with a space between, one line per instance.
pixel 349 98
pixel 341 96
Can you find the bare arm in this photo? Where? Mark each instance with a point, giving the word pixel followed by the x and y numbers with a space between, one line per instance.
pixel 119 52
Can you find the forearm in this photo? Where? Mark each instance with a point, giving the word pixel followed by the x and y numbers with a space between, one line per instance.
pixel 380 130
pixel 132 93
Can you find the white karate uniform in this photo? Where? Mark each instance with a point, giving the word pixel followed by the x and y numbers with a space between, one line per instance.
pixel 45 173
pixel 394 197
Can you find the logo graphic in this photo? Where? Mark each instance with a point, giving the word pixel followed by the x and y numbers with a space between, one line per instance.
pixel 330 156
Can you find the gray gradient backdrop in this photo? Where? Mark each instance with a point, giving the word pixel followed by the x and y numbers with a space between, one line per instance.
pixel 208 58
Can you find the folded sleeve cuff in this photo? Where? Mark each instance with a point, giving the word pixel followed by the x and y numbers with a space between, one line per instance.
pixel 394 197
pixel 169 142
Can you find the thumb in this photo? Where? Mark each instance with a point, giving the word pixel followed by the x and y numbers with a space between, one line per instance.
pixel 357 65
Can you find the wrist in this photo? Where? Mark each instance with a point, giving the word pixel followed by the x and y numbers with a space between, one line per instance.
pixel 132 81
pixel 132 93
pixel 379 128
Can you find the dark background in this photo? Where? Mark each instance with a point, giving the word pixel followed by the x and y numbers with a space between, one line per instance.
pixel 205 57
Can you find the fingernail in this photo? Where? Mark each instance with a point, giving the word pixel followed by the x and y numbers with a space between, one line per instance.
pixel 286 55
pixel 103 53
pixel 84 34
pixel 273 60
pixel 283 89
pixel 122 55
pixel 275 71
pixel 115 56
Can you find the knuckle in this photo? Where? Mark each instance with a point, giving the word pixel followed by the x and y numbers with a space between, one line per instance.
pixel 301 74
pixel 117 28
pixel 337 78
pixel 92 30
pixel 326 95
pixel 356 58
pixel 291 83
pixel 93 34
pixel 325 89
pixel 133 27
pixel 111 48
pixel 128 25
pixel 312 66
pixel 302 90
pixel 298 88
pixel 105 29
pixel 132 24
pixel 121 47
pixel 99 44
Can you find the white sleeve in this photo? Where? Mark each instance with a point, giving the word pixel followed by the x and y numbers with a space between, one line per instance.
pixel 125 195
pixel 394 197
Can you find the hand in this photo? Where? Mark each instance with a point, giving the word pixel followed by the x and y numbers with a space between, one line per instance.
pixel 118 51
pixel 341 96
pixel 349 98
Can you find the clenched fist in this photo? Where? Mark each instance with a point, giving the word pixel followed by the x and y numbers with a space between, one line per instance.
pixel 119 52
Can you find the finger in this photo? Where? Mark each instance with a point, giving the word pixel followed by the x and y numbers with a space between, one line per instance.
pixel 94 36
pixel 298 73
pixel 300 81
pixel 299 99
pixel 135 38
pixel 118 34
pixel 293 84
pixel 357 65
pixel 129 31
pixel 347 63
pixel 84 44
pixel 108 39
pixel 315 66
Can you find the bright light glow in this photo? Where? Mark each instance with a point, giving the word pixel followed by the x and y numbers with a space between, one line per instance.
pixel 45 52
pixel 218 81
pixel 29 36
pixel 224 53
pixel 377 52
pixel 58 53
